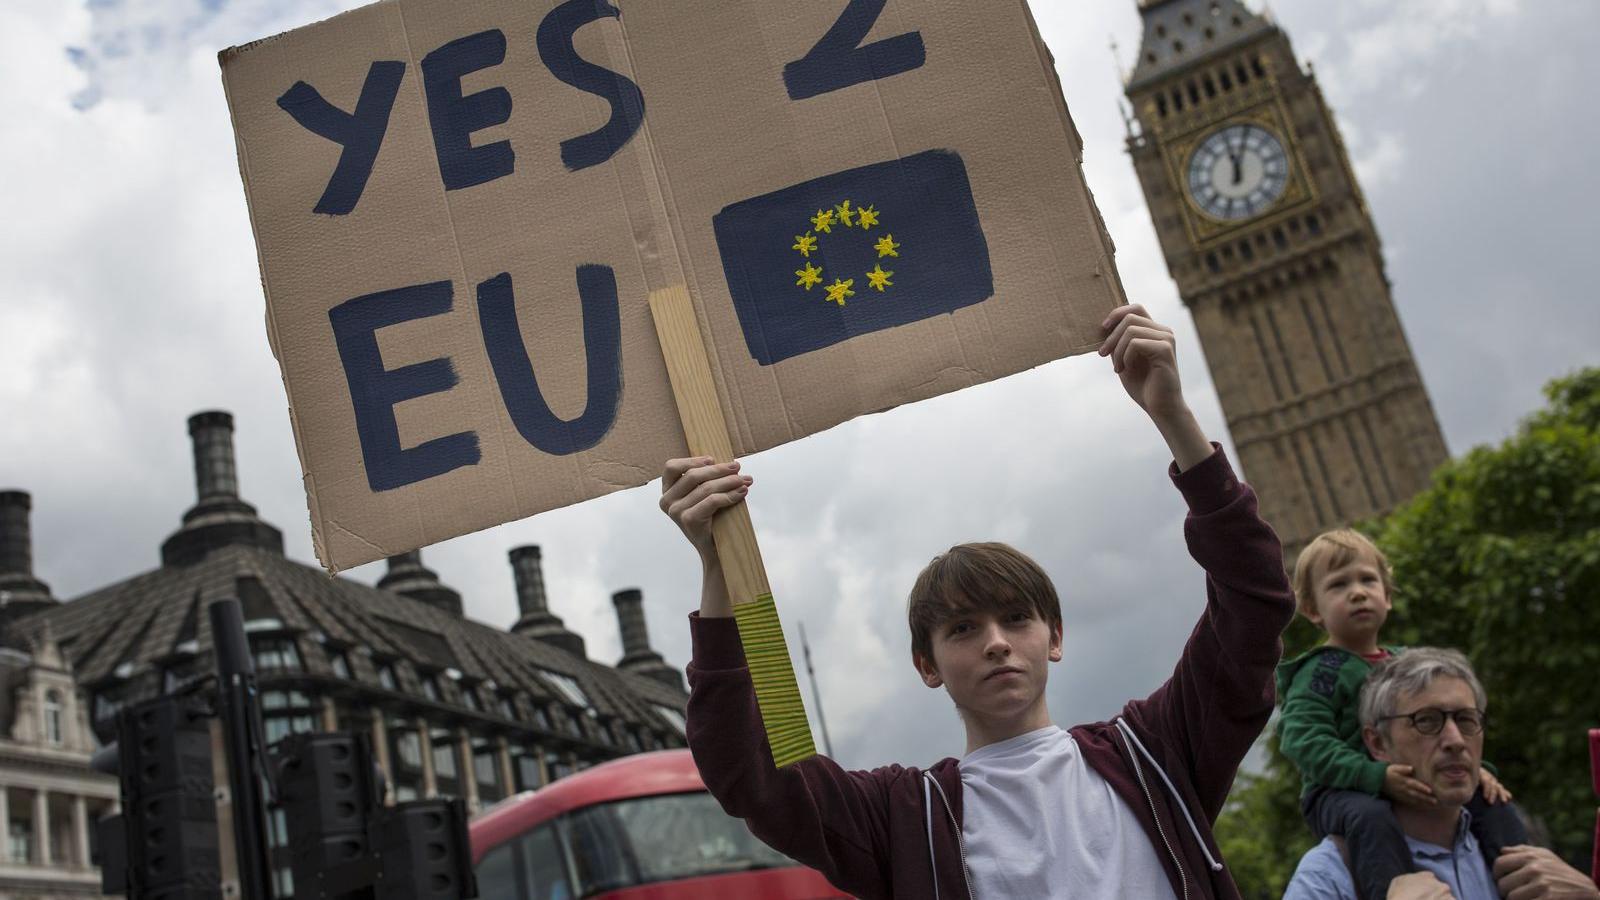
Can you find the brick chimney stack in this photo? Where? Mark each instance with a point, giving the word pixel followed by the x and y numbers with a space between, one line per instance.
pixel 537 621
pixel 215 475
pixel 20 592
pixel 637 657
pixel 408 576
pixel 219 517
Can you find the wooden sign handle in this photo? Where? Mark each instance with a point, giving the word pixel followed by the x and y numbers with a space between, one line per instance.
pixel 783 713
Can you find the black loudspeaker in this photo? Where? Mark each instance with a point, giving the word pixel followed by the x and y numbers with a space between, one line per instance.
pixel 168 824
pixel 423 851
pixel 328 791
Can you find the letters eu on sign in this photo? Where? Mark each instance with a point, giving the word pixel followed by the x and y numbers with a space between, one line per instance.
pixel 461 207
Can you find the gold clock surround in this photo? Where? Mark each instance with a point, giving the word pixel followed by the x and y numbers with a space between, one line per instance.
pixel 1205 230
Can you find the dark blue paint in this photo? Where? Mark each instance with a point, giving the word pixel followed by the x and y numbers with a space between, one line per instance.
pixel 454 118
pixel 925 201
pixel 360 133
pixel 838 61
pixel 374 391
pixel 519 385
pixel 561 58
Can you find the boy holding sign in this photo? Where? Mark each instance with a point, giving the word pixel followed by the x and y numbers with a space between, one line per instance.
pixel 1110 809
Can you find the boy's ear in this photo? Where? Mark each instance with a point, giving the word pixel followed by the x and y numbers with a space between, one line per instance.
pixel 1055 642
pixel 1374 742
pixel 926 670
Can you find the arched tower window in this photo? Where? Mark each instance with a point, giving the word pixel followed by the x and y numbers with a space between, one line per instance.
pixel 52 717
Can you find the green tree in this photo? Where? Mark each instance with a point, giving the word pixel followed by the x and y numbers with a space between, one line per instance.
pixel 1500 558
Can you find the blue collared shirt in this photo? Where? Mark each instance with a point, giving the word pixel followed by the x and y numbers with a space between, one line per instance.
pixel 1322 874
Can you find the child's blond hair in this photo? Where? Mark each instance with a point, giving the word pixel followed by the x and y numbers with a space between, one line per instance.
pixel 1330 550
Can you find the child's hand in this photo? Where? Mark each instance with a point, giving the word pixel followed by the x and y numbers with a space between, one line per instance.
pixel 693 490
pixel 1418 886
pixel 1399 786
pixel 1493 791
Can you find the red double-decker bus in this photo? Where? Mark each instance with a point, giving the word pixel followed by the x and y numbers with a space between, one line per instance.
pixel 637 828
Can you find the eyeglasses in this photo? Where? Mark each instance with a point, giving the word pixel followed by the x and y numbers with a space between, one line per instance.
pixel 1469 721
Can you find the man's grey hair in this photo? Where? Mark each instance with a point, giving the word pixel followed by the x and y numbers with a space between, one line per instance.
pixel 1410 672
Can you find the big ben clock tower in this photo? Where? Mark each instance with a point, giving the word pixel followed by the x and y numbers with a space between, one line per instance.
pixel 1267 234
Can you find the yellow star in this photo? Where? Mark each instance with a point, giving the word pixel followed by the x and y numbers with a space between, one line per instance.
pixel 845 212
pixel 840 290
pixel 809 275
pixel 886 246
pixel 823 221
pixel 805 243
pixel 878 278
pixel 867 217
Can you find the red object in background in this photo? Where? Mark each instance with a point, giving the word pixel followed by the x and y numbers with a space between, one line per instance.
pixel 637 828
pixel 1594 770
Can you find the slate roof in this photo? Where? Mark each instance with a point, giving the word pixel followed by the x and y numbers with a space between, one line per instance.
pixel 126 635
pixel 130 640
pixel 1178 33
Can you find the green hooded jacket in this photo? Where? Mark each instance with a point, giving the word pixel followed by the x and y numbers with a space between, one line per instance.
pixel 1320 729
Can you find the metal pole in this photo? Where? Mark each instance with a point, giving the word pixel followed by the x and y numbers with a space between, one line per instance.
pixel 241 730
pixel 827 745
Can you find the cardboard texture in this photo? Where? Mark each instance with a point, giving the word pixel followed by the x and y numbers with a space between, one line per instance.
pixel 461 207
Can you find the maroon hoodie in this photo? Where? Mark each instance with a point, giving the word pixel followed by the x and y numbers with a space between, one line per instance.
pixel 896 831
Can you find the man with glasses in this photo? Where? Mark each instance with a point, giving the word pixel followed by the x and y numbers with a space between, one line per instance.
pixel 1425 709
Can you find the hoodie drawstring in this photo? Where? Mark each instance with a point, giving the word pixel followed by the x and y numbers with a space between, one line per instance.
pixel 1172 791
pixel 927 802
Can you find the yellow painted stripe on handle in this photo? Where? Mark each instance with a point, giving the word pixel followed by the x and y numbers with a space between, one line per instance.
pixel 783 713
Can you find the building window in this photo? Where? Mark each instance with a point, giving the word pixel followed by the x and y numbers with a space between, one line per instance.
pixel 525 768
pixel 20 835
pixel 52 718
pixel 567 687
pixel 430 688
pixel 469 699
pixel 446 767
pixel 508 708
pixel 275 654
pixel 556 765
pixel 287 712
pixel 386 676
pixel 340 664
pixel 674 718
pixel 405 757
pixel 486 771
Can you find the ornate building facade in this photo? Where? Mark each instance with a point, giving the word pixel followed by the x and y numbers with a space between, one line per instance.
pixel 1265 229
pixel 455 707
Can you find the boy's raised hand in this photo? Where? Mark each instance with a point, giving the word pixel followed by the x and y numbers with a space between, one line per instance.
pixel 1145 356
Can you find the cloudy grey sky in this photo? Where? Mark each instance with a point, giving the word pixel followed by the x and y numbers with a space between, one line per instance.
pixel 129 299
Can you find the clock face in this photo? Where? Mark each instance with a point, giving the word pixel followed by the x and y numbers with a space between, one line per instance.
pixel 1238 172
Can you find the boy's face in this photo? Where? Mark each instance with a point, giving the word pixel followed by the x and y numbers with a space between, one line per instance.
pixel 994 664
pixel 1351 603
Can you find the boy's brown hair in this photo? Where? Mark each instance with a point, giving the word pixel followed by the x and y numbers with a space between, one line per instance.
pixel 971 577
pixel 1330 550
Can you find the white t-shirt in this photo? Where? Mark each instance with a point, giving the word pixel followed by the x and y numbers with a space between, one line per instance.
pixel 1039 822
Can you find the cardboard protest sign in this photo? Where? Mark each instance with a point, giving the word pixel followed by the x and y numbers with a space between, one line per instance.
pixel 461 207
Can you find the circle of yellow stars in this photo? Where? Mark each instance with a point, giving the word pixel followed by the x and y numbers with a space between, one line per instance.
pixel 843 215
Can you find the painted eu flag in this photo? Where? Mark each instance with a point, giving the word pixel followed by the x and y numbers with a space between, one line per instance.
pixel 854 252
